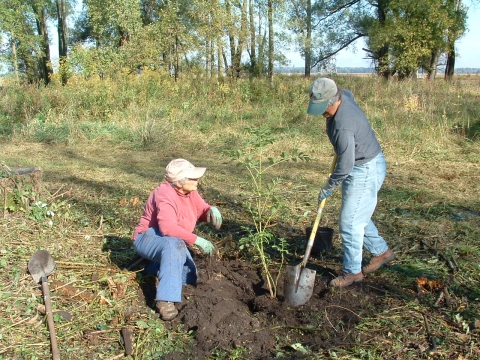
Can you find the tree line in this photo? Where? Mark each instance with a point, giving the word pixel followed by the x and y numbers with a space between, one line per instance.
pixel 227 37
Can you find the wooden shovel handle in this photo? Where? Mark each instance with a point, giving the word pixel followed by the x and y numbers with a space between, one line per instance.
pixel 51 326
pixel 317 218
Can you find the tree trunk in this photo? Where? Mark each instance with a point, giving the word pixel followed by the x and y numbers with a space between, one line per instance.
pixel 231 38
pixel 212 57
pixel 45 64
pixel 242 38
pixel 62 39
pixel 220 68
pixel 308 45
pixel 62 28
pixel 15 58
pixel 432 71
pixel 177 42
pixel 225 61
pixel 177 59
pixel 207 58
pixel 451 38
pixel 450 67
pixel 270 42
pixel 382 55
pixel 253 54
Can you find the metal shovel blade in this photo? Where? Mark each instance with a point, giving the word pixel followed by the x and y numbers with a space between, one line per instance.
pixel 41 264
pixel 299 285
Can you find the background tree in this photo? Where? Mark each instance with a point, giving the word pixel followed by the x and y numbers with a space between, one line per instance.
pixel 40 9
pixel 458 16
pixel 26 50
pixel 401 36
pixel 62 37
pixel 323 29
pixel 16 21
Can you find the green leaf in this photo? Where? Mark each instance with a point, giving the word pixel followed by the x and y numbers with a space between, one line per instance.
pixel 299 347
pixel 142 324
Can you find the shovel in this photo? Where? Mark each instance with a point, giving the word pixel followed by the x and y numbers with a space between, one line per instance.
pixel 300 280
pixel 40 266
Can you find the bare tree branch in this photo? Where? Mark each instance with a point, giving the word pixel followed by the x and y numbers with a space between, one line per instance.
pixel 330 54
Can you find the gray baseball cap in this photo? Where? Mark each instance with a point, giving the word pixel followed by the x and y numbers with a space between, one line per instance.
pixel 321 91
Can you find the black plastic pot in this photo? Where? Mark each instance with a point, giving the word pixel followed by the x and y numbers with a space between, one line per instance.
pixel 323 239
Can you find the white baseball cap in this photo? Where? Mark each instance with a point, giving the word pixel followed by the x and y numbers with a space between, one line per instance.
pixel 179 169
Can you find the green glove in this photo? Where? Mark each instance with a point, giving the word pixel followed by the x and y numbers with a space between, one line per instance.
pixel 214 217
pixel 205 245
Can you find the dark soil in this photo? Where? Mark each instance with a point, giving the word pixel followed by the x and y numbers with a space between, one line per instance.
pixel 231 308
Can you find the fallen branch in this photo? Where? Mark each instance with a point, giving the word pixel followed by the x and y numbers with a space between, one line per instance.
pixel 136 261
pixel 70 265
pixel 341 307
pixel 302 328
pixel 440 297
pixel 450 265
pixel 326 315
pixel 56 194
pixel 117 357
pixel 455 262
pixel 5 197
pixel 431 339
pixel 444 292
pixel 447 260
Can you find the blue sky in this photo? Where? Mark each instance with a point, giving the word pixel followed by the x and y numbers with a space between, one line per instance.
pixel 468 48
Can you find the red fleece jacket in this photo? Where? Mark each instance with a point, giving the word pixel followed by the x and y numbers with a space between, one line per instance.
pixel 174 213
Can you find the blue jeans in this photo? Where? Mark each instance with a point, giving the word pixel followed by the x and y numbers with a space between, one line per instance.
pixel 359 199
pixel 170 259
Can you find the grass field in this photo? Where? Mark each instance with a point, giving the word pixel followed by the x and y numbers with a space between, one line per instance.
pixel 102 147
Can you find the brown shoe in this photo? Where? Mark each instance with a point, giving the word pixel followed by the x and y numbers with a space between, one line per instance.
pixel 167 310
pixel 378 261
pixel 346 279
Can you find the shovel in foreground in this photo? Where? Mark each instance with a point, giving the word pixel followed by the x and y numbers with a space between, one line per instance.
pixel 40 266
pixel 300 280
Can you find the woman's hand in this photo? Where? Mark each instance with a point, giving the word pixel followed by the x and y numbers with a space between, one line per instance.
pixel 214 217
pixel 206 246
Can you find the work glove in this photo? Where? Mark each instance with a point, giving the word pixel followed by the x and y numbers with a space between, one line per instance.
pixel 206 246
pixel 325 192
pixel 214 217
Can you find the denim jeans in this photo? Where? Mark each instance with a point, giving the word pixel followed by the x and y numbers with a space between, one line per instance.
pixel 359 199
pixel 170 259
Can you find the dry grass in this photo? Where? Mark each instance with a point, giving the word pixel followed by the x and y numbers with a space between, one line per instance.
pixel 97 187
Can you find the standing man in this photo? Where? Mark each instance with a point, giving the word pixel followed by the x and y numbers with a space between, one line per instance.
pixel 361 169
pixel 165 230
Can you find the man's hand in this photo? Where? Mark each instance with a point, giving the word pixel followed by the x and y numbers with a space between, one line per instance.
pixel 325 192
pixel 214 217
pixel 206 246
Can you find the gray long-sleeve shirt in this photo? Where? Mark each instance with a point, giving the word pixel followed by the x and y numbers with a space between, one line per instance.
pixel 352 138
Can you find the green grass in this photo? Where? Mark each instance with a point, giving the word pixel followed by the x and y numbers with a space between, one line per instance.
pixel 103 147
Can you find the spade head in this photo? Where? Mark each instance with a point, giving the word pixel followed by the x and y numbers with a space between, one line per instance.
pixel 41 264
pixel 299 283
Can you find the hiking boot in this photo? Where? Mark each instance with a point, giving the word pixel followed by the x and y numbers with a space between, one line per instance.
pixel 377 261
pixel 167 310
pixel 346 279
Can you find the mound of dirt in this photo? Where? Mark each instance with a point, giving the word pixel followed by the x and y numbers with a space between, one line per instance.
pixel 230 308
